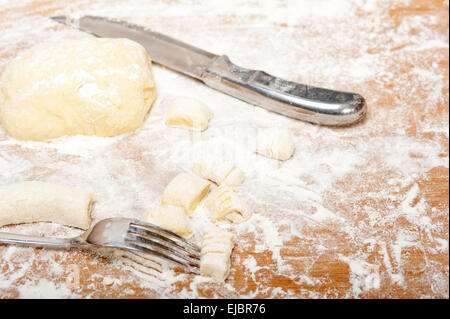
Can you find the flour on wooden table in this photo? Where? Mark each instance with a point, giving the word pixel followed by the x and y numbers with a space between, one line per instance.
pixel 349 198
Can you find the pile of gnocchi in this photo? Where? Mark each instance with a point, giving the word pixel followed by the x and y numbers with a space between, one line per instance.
pixel 225 203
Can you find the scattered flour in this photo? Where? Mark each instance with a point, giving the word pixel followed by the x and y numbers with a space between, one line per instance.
pixel 45 289
pixel 355 195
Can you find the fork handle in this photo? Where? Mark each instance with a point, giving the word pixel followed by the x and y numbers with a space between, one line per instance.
pixel 26 240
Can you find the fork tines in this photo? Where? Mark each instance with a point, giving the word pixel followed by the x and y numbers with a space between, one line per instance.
pixel 163 243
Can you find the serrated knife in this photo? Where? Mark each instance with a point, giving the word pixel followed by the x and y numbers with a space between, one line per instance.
pixel 295 100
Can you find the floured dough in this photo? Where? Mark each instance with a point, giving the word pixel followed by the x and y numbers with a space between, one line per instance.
pixel 227 204
pixel 217 170
pixel 275 143
pixel 188 113
pixel 87 86
pixel 217 246
pixel 185 190
pixel 34 201
pixel 169 217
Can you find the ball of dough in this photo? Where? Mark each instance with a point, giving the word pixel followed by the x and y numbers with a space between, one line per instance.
pixel 227 204
pixel 88 86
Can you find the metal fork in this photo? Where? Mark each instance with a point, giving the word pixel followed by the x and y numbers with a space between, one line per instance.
pixel 124 234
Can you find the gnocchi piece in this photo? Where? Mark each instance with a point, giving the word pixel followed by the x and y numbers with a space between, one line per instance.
pixel 188 113
pixel 169 217
pixel 275 143
pixel 217 246
pixel 227 204
pixel 234 178
pixel 185 190
pixel 217 170
pixel 34 201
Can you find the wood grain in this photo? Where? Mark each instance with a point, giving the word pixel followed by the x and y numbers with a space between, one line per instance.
pixel 423 266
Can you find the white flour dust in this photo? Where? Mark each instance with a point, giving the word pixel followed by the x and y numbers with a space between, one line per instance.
pixel 352 199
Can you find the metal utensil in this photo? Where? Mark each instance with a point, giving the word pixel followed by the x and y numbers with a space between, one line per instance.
pixel 299 101
pixel 124 234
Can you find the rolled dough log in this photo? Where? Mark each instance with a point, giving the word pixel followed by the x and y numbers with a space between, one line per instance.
pixel 88 86
pixel 34 201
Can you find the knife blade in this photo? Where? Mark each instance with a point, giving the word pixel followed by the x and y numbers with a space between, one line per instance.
pixel 303 102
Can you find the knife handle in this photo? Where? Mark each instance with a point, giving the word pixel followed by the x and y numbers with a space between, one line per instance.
pixel 295 100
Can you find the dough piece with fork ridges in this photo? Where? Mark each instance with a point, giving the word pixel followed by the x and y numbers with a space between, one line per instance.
pixel 217 169
pixel 275 143
pixel 227 204
pixel 217 246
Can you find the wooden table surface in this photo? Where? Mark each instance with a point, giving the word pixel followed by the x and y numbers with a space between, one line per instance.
pixel 386 181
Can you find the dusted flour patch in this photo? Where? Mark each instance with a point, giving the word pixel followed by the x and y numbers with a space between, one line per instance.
pixel 46 289
pixel 90 86
pixel 347 194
